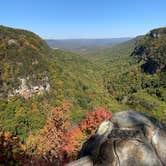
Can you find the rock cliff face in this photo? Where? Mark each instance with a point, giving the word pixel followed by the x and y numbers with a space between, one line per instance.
pixel 129 138
pixel 28 91
pixel 157 33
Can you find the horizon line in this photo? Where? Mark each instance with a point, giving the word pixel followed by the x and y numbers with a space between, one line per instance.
pixel 82 38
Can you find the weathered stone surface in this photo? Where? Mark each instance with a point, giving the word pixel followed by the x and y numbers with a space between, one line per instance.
pixel 84 161
pixel 12 42
pixel 129 138
pixel 31 90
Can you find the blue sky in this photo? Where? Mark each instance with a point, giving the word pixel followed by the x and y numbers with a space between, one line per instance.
pixel 84 18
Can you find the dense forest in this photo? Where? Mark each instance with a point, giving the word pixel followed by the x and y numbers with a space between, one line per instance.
pixel 126 78
pixel 48 95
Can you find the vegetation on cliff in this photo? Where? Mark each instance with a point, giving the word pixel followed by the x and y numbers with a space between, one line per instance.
pixel 152 50
pixel 22 55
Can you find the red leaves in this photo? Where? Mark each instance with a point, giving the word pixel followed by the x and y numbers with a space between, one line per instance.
pixel 56 142
pixel 75 137
pixel 71 144
pixel 92 121
pixel 59 140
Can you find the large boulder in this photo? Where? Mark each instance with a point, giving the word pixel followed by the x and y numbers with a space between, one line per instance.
pixel 129 138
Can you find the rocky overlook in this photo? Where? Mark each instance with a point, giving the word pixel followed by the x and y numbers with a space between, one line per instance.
pixel 128 137
pixel 157 33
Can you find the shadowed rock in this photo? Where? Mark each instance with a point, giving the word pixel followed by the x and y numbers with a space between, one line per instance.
pixel 129 138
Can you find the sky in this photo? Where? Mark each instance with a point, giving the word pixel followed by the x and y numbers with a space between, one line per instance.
pixel 64 19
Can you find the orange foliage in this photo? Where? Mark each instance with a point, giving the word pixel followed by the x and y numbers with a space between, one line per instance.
pixel 73 140
pixel 71 144
pixel 92 121
pixel 51 137
pixel 59 140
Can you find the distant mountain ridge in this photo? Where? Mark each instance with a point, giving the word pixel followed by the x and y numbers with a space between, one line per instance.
pixel 82 45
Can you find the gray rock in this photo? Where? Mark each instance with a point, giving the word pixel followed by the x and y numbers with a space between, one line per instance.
pixel 84 161
pixel 129 138
pixel 12 42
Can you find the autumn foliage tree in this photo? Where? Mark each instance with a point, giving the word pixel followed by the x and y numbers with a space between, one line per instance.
pixel 49 140
pixel 92 121
pixel 75 137
pixel 59 140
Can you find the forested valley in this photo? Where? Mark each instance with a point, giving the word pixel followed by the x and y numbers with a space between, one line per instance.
pixel 52 101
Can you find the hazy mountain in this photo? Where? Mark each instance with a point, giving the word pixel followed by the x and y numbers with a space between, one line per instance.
pixel 84 45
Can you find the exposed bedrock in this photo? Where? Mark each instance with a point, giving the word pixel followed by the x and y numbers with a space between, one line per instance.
pixel 129 138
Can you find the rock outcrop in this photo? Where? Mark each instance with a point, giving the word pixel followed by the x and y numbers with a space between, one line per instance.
pixel 129 138
pixel 150 49
pixel 29 91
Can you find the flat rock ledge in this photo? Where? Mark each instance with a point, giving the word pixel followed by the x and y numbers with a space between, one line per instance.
pixel 129 138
